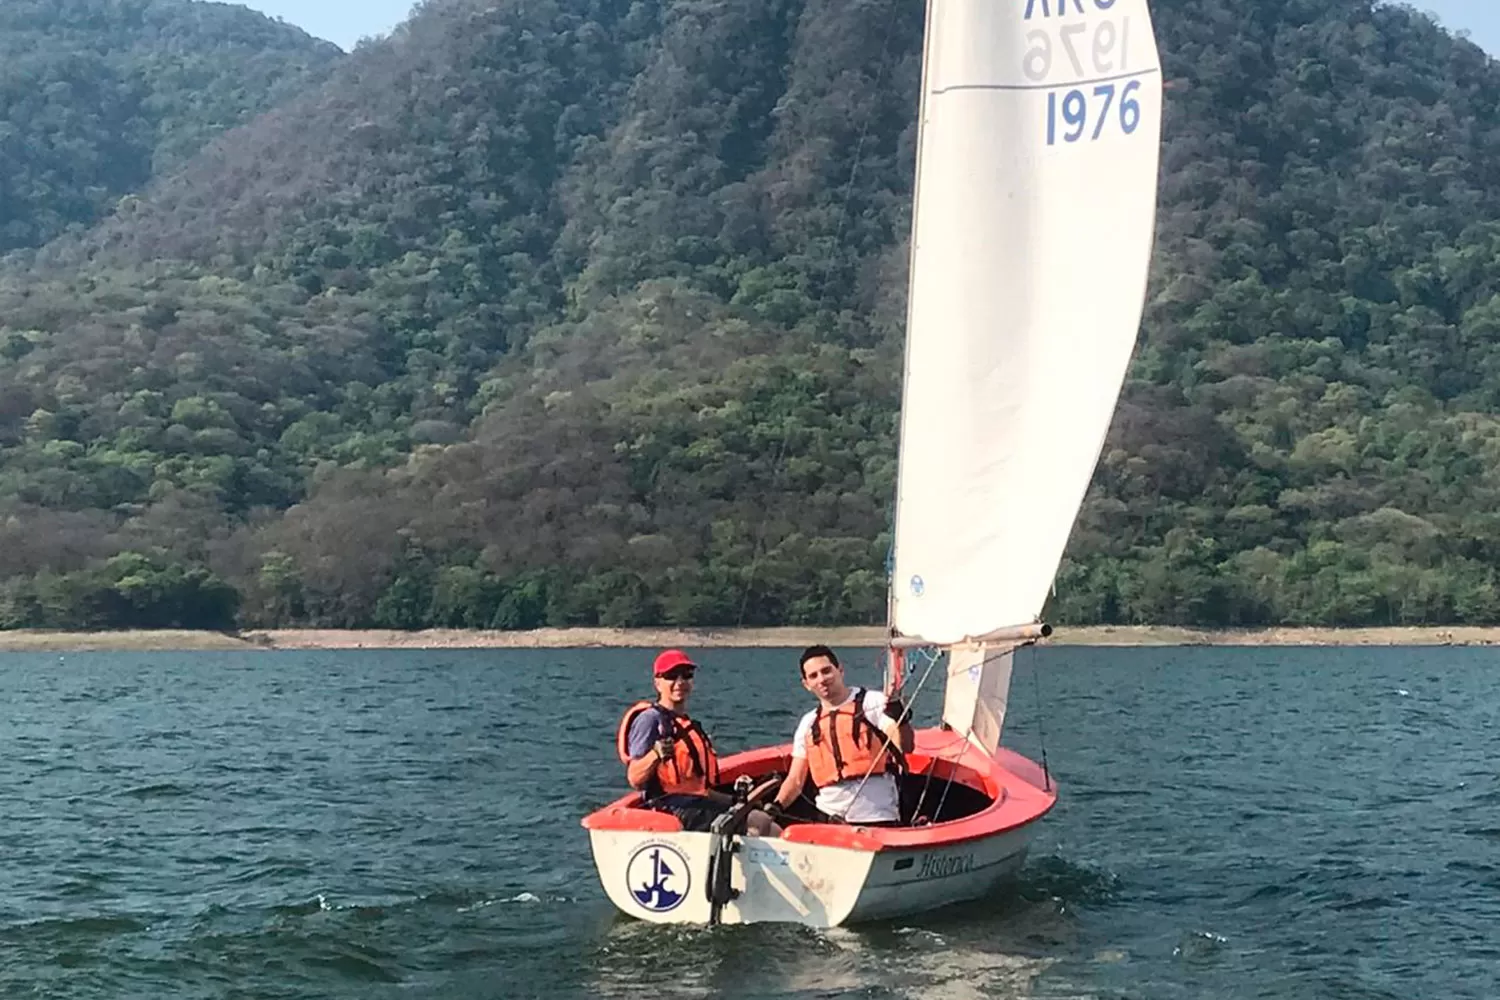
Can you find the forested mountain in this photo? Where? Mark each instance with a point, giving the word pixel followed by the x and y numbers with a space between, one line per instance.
pixel 99 96
pixel 575 311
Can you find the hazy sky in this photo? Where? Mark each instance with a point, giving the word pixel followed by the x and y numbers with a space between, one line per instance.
pixel 342 21
pixel 346 21
pixel 1481 18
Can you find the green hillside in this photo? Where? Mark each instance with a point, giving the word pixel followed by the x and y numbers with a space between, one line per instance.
pixel 97 97
pixel 590 311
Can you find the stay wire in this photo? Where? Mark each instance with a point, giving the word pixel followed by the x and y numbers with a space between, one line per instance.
pixel 932 659
pixel 1036 677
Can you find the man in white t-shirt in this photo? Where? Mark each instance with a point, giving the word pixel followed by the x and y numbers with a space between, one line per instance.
pixel 850 745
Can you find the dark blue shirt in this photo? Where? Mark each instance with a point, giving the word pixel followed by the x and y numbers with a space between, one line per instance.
pixel 648 727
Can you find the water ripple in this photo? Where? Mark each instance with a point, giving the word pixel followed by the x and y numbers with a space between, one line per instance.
pixel 1233 823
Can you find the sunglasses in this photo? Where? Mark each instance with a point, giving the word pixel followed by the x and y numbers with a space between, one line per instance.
pixel 679 674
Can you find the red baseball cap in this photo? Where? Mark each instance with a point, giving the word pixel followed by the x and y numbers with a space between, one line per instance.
pixel 670 660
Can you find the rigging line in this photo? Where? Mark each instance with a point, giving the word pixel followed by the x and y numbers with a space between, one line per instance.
pixel 928 774
pixel 870 769
pixel 1036 676
pixel 932 773
pixel 838 235
pixel 948 785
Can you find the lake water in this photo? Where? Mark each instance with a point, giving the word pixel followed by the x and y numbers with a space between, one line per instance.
pixel 1254 823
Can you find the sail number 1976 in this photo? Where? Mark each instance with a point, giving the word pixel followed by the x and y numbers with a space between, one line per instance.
pixel 1093 54
pixel 1069 117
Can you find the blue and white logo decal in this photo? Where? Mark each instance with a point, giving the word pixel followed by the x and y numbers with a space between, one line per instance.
pixel 917 586
pixel 658 877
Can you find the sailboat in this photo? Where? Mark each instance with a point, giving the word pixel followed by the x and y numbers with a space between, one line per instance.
pixel 1033 220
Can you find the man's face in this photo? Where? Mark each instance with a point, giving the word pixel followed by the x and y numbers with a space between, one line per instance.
pixel 822 677
pixel 676 684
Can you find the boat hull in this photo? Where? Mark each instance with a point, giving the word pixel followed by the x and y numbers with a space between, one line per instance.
pixel 825 875
pixel 808 884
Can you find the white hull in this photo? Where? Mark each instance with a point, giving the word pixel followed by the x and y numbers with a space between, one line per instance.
pixel 811 884
pixel 826 874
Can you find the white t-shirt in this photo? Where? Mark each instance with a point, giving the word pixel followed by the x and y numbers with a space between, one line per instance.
pixel 877 801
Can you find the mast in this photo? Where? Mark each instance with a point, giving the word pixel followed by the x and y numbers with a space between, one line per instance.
pixel 895 664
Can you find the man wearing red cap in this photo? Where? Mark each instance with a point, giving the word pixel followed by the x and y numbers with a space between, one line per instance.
pixel 670 758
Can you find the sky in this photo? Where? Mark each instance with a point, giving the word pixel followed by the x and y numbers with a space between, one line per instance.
pixel 347 21
pixel 1481 18
pixel 342 22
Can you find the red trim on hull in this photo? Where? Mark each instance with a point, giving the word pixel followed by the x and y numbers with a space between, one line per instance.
pixel 1012 783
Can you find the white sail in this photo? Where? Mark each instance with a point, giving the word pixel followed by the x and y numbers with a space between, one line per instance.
pixel 1032 233
pixel 977 691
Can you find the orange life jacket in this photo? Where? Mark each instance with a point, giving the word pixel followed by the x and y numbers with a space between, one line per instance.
pixel 845 746
pixel 693 766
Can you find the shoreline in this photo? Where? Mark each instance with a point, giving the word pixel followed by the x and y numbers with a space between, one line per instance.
pixel 32 640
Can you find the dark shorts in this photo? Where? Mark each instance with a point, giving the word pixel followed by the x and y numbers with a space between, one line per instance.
pixel 694 812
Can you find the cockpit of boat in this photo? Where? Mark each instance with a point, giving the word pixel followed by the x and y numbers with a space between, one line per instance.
pixel 925 797
pixel 951 790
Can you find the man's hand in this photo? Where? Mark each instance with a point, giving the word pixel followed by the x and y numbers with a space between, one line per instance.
pixel 899 714
pixel 664 748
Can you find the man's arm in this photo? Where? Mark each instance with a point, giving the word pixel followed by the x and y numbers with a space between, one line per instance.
pixel 898 732
pixel 642 769
pixel 902 735
pixel 791 787
pixel 643 743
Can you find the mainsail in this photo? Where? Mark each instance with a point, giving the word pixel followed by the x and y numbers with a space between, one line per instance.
pixel 1031 239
